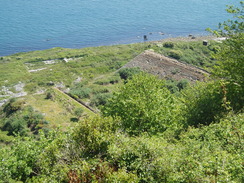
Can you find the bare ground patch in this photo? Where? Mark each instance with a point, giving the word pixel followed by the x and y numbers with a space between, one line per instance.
pixel 166 67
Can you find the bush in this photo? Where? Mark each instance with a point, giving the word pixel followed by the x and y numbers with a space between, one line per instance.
pixel 15 125
pixel 168 45
pixel 50 95
pixel 152 159
pixel 128 73
pixel 12 106
pixel 23 122
pixel 78 112
pixel 182 84
pixel 206 154
pixel 102 82
pixel 81 92
pixel 100 99
pixel 114 79
pixel 96 90
pixel 22 160
pixel 177 54
pixel 93 135
pixel 5 138
pixel 205 102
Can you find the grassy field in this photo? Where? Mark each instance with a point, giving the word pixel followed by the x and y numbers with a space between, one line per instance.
pixel 59 111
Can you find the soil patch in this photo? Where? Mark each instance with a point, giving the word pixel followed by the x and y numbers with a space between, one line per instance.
pixel 166 67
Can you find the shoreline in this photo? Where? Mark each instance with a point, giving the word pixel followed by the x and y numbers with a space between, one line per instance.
pixel 188 38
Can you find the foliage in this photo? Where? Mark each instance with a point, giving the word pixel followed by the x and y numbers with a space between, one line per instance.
pixel 182 84
pixel 231 56
pixel 4 138
pixel 168 45
pixel 128 73
pixel 78 112
pixel 230 65
pixel 177 54
pixel 204 102
pixel 81 92
pixel 143 105
pixel 176 86
pixel 110 80
pixel 20 162
pixel 141 139
pixel 22 120
pixel 232 26
pixel 208 154
pixel 12 106
pixel 216 151
pixel 100 99
pixel 94 135
pixel 96 151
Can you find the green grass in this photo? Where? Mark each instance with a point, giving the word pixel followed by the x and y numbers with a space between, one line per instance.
pixel 96 67
pixel 86 62
pixel 194 52
pixel 59 111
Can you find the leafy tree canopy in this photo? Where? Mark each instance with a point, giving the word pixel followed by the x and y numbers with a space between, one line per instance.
pixel 144 105
pixel 230 56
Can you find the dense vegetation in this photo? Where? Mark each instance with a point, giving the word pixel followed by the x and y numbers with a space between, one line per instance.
pixel 148 130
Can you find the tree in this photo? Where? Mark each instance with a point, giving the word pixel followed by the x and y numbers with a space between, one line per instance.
pixel 144 105
pixel 231 54
pixel 230 57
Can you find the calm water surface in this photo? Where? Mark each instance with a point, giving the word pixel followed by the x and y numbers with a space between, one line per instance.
pixel 27 25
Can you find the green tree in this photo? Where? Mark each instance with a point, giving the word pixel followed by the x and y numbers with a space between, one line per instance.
pixel 230 56
pixel 144 105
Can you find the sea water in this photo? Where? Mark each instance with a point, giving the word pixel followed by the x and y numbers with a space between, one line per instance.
pixel 27 25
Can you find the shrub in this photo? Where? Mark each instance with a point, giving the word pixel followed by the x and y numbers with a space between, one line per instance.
pixel 96 90
pixel 168 45
pixel 78 112
pixel 15 126
pixel 100 99
pixel 204 103
pixel 93 135
pixel 23 122
pixel 208 154
pixel 81 92
pixel 114 79
pixel 13 105
pixel 152 159
pixel 50 95
pixel 5 138
pixel 172 86
pixel 182 84
pixel 102 82
pixel 177 54
pixel 128 73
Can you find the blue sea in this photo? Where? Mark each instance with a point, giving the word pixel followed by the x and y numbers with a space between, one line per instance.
pixel 27 25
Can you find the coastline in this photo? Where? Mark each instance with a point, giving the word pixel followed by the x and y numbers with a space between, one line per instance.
pixel 167 39
pixel 187 38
